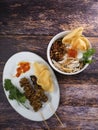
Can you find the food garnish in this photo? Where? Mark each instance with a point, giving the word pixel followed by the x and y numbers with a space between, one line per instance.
pixel 22 68
pixel 87 55
pixel 14 93
pixel 44 77
pixel 72 52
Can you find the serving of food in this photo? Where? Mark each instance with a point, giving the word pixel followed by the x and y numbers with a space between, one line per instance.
pixel 70 52
pixel 30 85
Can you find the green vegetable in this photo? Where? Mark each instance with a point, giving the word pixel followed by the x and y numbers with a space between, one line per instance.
pixel 14 93
pixel 87 55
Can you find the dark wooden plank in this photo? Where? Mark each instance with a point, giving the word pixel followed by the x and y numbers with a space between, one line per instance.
pixel 79 95
pixel 29 26
pixel 48 17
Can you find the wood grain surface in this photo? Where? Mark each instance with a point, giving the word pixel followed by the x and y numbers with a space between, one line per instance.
pixel 29 25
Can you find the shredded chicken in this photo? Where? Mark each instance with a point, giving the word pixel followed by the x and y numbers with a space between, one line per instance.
pixel 68 65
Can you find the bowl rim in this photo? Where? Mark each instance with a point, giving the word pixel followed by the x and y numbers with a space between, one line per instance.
pixel 57 36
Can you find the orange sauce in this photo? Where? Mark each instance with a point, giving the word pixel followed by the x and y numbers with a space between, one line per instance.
pixel 72 53
pixel 22 68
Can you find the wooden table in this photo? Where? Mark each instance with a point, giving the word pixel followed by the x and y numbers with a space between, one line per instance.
pixel 28 25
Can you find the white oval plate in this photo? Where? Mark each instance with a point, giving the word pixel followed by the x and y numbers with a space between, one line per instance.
pixel 10 71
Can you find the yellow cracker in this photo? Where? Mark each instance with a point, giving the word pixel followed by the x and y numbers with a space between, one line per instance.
pixel 76 32
pixel 44 77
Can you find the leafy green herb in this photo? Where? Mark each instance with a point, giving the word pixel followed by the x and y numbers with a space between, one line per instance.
pixel 14 93
pixel 87 55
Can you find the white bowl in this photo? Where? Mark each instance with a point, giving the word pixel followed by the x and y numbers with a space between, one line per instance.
pixel 61 35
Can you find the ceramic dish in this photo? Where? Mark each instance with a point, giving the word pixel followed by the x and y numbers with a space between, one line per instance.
pixel 52 41
pixel 54 97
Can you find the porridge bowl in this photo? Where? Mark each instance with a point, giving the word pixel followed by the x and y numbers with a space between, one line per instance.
pixel 70 52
